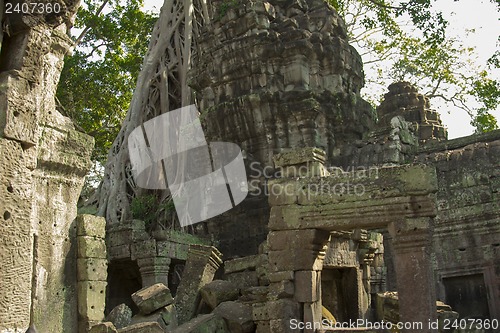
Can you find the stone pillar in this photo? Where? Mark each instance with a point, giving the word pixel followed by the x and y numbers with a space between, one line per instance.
pixel 295 263
pixel 91 270
pixel 201 264
pixel 154 270
pixel 416 287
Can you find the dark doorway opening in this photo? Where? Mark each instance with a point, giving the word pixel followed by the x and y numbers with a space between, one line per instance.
pixel 467 295
pixel 124 279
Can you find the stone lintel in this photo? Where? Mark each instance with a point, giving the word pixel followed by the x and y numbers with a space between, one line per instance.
pixel 370 214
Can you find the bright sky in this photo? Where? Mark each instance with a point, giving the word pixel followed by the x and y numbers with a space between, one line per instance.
pixel 463 15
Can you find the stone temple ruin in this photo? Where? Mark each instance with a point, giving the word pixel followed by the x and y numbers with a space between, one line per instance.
pixel 353 214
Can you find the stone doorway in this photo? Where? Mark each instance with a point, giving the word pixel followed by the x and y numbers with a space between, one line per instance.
pixel 124 279
pixel 467 295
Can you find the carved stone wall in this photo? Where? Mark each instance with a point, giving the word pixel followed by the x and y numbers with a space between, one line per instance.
pixel 272 76
pixel 43 162
pixel 467 231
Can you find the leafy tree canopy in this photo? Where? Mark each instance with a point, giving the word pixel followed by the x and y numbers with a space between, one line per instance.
pixel 98 80
pixel 406 40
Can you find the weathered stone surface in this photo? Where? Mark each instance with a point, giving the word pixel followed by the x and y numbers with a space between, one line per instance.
pixel 201 265
pixel 307 286
pixel 90 225
pixel 209 323
pixel 152 298
pixel 219 291
pixel 238 316
pixel 166 317
pixel 142 328
pixel 91 300
pixel 242 264
pixel 120 316
pixel 92 269
pixel 244 279
pixel 91 247
pixel 154 270
pixel 106 327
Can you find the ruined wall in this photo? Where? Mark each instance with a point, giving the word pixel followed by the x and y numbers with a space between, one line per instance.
pixel 467 231
pixel 43 162
pixel 272 76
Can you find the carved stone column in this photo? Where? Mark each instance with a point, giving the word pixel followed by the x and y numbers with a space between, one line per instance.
pixel 201 264
pixel 295 264
pixel 154 270
pixel 416 288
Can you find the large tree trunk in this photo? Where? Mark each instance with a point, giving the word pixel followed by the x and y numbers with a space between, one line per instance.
pixel 161 87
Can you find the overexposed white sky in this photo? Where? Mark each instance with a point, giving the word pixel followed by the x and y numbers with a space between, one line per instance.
pixel 463 15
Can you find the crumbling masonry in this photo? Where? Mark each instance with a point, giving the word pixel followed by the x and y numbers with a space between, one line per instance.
pixel 352 213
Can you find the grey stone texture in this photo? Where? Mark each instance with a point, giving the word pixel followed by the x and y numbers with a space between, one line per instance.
pixel 238 316
pixel 105 327
pixel 207 323
pixel 43 160
pixel 120 316
pixel 219 291
pixel 152 298
pixel 201 265
pixel 147 327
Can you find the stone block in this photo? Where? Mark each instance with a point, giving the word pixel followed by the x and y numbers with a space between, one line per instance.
pixel 281 289
pixel 119 252
pixel 279 276
pixel 142 328
pixel 152 298
pixel 282 192
pixel 219 291
pixel 254 294
pixel 259 312
pixel 120 316
pixel 106 327
pixel 91 300
pixel 281 326
pixel 244 279
pixel 238 316
pixel 203 324
pixel 263 327
pixel 296 259
pixel 165 317
pixel 307 284
pixel 283 308
pixel 144 249
pixel 90 225
pixel 243 264
pixel 92 269
pixel 91 247
pixel 172 250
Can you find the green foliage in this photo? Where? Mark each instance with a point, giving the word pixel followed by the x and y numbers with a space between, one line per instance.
pixel 150 209
pixel 225 6
pixel 98 80
pixel 407 41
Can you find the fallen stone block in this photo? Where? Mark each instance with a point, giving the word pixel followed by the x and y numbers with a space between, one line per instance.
pixel 219 291
pixel 152 298
pixel 142 328
pixel 238 316
pixel 165 317
pixel 208 323
pixel 120 316
pixel 106 327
